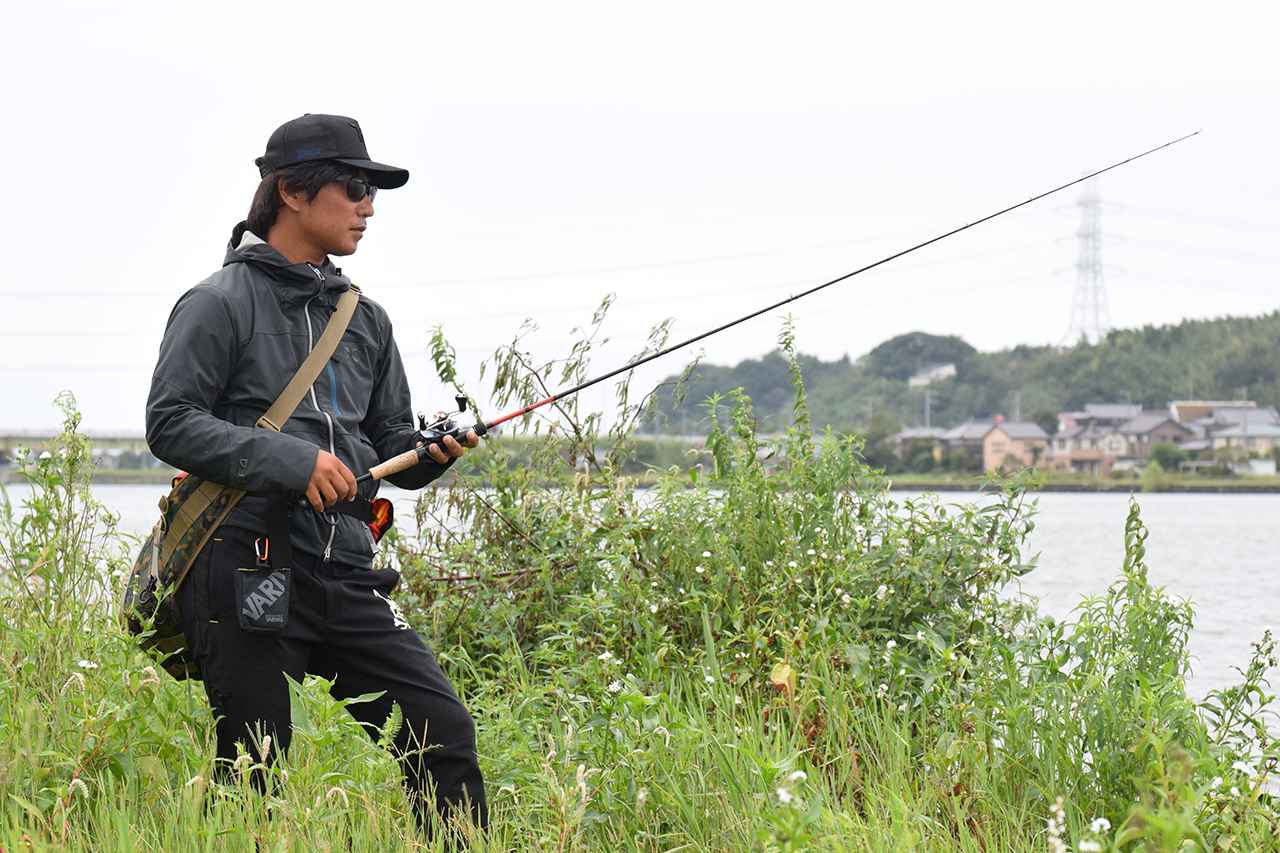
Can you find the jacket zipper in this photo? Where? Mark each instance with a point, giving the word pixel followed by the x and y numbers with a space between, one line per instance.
pixel 306 310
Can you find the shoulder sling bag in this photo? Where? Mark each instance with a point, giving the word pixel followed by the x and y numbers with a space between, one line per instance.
pixel 190 514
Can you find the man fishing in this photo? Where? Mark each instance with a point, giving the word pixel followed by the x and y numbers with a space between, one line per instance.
pixel 232 343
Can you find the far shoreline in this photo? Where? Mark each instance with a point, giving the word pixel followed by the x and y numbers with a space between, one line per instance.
pixel 897 483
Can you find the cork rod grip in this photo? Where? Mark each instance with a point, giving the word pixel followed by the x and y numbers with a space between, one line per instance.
pixel 394 465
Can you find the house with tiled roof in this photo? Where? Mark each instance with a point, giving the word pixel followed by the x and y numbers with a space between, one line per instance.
pixel 1186 411
pixel 1013 444
pixel 1149 429
pixel 989 444
pixel 909 442
pixel 1085 450
pixel 1251 438
pixel 1099 415
pixel 967 438
pixel 1104 436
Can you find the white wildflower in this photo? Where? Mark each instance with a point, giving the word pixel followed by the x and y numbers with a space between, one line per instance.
pixel 920 636
pixel 892 644
pixel 1089 847
pixel 1235 792
pixel 1216 782
pixel 882 592
pixel 769 563
pixel 699 569
pixel 1241 767
pixel 653 608
pixel 641 796
pixel 45 455
pixel 708 679
pixel 86 664
pixel 706 553
pixel 791 564
pixel 605 657
pixel 811 552
pixel 784 796
pixel 1100 825
pixel 615 686
pixel 737 700
pixel 1056 826
pixel 845 599
pixel 797 776
pixel 883 689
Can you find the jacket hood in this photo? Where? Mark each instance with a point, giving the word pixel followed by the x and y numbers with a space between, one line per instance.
pixel 293 280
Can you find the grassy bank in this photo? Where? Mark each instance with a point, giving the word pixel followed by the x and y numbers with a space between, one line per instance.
pixel 775 657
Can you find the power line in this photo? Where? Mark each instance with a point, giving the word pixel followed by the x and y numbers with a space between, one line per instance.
pixel 542 310
pixel 1200 219
pixel 1206 251
pixel 375 287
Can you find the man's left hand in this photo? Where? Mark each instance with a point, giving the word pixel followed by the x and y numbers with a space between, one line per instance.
pixel 452 448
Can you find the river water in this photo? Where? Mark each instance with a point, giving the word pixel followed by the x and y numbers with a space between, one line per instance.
pixel 1220 551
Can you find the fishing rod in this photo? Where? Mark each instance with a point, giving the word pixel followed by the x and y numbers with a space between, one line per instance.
pixel 433 434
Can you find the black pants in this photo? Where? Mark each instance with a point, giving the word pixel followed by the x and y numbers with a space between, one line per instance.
pixel 341 626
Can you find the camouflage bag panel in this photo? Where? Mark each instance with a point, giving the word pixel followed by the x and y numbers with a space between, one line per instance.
pixel 189 515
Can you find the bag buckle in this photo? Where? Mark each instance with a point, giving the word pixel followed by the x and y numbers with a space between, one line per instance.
pixel 262 548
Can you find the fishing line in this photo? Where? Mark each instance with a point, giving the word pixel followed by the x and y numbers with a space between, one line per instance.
pixel 435 432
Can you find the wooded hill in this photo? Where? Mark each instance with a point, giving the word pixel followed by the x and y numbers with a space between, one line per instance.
pixel 1209 359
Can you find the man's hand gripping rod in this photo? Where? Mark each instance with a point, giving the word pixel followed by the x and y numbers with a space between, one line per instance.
pixel 433 433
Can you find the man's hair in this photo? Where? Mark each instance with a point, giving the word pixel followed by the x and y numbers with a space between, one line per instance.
pixel 309 177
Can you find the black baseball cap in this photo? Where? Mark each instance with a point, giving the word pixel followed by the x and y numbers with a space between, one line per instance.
pixel 325 137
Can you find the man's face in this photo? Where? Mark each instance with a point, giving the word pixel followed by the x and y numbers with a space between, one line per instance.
pixel 332 221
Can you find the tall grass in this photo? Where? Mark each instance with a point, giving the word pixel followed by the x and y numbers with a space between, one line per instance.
pixel 770 653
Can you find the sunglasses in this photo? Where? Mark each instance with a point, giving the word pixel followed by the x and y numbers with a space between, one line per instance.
pixel 358 188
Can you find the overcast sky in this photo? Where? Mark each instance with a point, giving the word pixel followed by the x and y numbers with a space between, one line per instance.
pixel 698 160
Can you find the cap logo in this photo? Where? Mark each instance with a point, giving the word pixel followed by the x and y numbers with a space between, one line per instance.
pixel 309 151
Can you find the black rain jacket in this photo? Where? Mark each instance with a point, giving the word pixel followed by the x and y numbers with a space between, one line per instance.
pixel 232 344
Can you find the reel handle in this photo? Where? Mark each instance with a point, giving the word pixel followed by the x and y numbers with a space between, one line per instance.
pixel 430 436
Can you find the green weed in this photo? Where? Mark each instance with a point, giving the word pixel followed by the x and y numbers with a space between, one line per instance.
pixel 770 653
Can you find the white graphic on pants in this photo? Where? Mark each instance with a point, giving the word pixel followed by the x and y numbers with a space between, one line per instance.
pixel 396 615
pixel 267 593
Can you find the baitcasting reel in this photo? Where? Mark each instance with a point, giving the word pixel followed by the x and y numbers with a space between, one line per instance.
pixel 434 433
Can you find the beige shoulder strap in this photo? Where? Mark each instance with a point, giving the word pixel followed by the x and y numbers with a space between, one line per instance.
pixel 293 393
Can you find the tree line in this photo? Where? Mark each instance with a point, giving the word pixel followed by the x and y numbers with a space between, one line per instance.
pixel 1221 359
